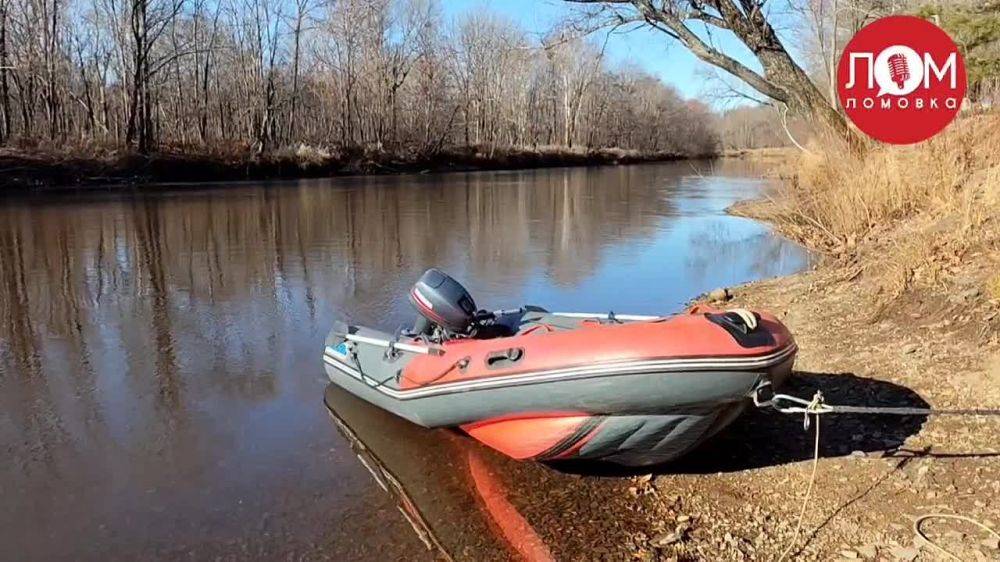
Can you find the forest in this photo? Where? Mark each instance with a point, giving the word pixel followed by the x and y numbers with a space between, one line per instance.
pixel 318 78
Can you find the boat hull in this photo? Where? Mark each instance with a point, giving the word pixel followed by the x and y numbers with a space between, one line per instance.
pixel 628 411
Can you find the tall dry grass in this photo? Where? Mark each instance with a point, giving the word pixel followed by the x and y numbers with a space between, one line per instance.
pixel 906 213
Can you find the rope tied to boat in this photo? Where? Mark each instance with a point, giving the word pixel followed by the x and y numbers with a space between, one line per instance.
pixel 817 406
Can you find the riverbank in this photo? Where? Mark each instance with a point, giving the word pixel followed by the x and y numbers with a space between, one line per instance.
pixel 902 309
pixel 770 156
pixel 739 498
pixel 50 170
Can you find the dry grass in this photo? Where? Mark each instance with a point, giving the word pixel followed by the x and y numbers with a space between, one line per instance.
pixel 845 195
pixel 771 154
pixel 304 155
pixel 993 287
pixel 907 214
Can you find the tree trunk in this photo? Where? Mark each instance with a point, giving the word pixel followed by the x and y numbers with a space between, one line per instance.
pixel 5 131
pixel 833 55
pixel 51 92
pixel 801 95
pixel 295 72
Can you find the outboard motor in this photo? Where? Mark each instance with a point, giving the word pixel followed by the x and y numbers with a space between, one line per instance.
pixel 441 301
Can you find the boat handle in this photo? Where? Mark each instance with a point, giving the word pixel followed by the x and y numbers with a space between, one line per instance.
pixel 394 345
pixel 504 358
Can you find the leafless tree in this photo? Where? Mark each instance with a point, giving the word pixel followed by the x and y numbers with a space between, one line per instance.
pixel 349 75
pixel 690 22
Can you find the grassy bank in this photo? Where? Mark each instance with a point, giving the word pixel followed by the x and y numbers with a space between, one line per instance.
pixel 922 218
pixel 50 169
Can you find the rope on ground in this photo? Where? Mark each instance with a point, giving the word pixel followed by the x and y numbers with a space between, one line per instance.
pixel 805 500
pixel 817 407
pixel 920 533
pixel 817 400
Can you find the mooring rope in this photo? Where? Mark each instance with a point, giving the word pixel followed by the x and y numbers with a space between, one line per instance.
pixel 919 532
pixel 817 407
pixel 805 500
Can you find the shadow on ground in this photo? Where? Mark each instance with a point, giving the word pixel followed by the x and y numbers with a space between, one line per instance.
pixel 762 437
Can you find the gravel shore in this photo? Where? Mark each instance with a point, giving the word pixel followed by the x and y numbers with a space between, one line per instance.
pixel 739 497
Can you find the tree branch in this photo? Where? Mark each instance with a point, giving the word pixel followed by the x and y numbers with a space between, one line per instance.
pixel 672 23
pixel 711 55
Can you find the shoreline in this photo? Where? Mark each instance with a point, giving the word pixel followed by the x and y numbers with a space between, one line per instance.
pixel 875 473
pixel 929 347
pixel 49 172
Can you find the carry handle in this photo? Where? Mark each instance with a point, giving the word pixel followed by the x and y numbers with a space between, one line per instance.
pixel 504 358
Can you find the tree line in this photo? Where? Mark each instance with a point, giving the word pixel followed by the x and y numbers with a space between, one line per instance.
pixel 390 75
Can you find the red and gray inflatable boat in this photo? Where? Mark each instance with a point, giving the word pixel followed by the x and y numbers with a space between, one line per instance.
pixel 533 384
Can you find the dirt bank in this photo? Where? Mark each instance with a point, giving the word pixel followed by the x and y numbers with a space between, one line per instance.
pixel 903 313
pixel 47 170
pixel 875 473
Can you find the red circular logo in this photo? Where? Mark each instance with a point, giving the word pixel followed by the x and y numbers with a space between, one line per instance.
pixel 901 79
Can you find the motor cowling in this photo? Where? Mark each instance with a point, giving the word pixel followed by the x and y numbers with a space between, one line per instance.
pixel 442 301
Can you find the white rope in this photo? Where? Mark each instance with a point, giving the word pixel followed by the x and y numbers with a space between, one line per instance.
pixel 819 406
pixel 816 407
pixel 805 500
pixel 919 532
pixel 784 124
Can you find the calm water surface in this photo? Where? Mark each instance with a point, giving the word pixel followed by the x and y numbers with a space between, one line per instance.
pixel 161 383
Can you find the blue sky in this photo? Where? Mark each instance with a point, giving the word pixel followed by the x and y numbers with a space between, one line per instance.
pixel 648 49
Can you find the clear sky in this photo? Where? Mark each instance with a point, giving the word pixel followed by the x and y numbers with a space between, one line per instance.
pixel 646 48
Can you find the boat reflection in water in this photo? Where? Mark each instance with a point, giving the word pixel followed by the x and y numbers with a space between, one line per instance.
pixel 466 501
pixel 442 483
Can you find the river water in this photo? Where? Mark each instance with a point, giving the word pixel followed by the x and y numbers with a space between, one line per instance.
pixel 161 382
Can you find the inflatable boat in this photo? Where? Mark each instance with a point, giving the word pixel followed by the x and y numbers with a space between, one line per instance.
pixel 540 385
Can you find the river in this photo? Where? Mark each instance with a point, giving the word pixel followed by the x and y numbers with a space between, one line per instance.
pixel 161 382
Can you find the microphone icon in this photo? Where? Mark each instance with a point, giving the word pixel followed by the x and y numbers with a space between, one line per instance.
pixel 899 70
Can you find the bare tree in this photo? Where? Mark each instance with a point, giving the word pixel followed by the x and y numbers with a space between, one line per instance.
pixel 782 79
pixel 148 20
pixel 575 65
pixel 352 75
pixel 5 119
